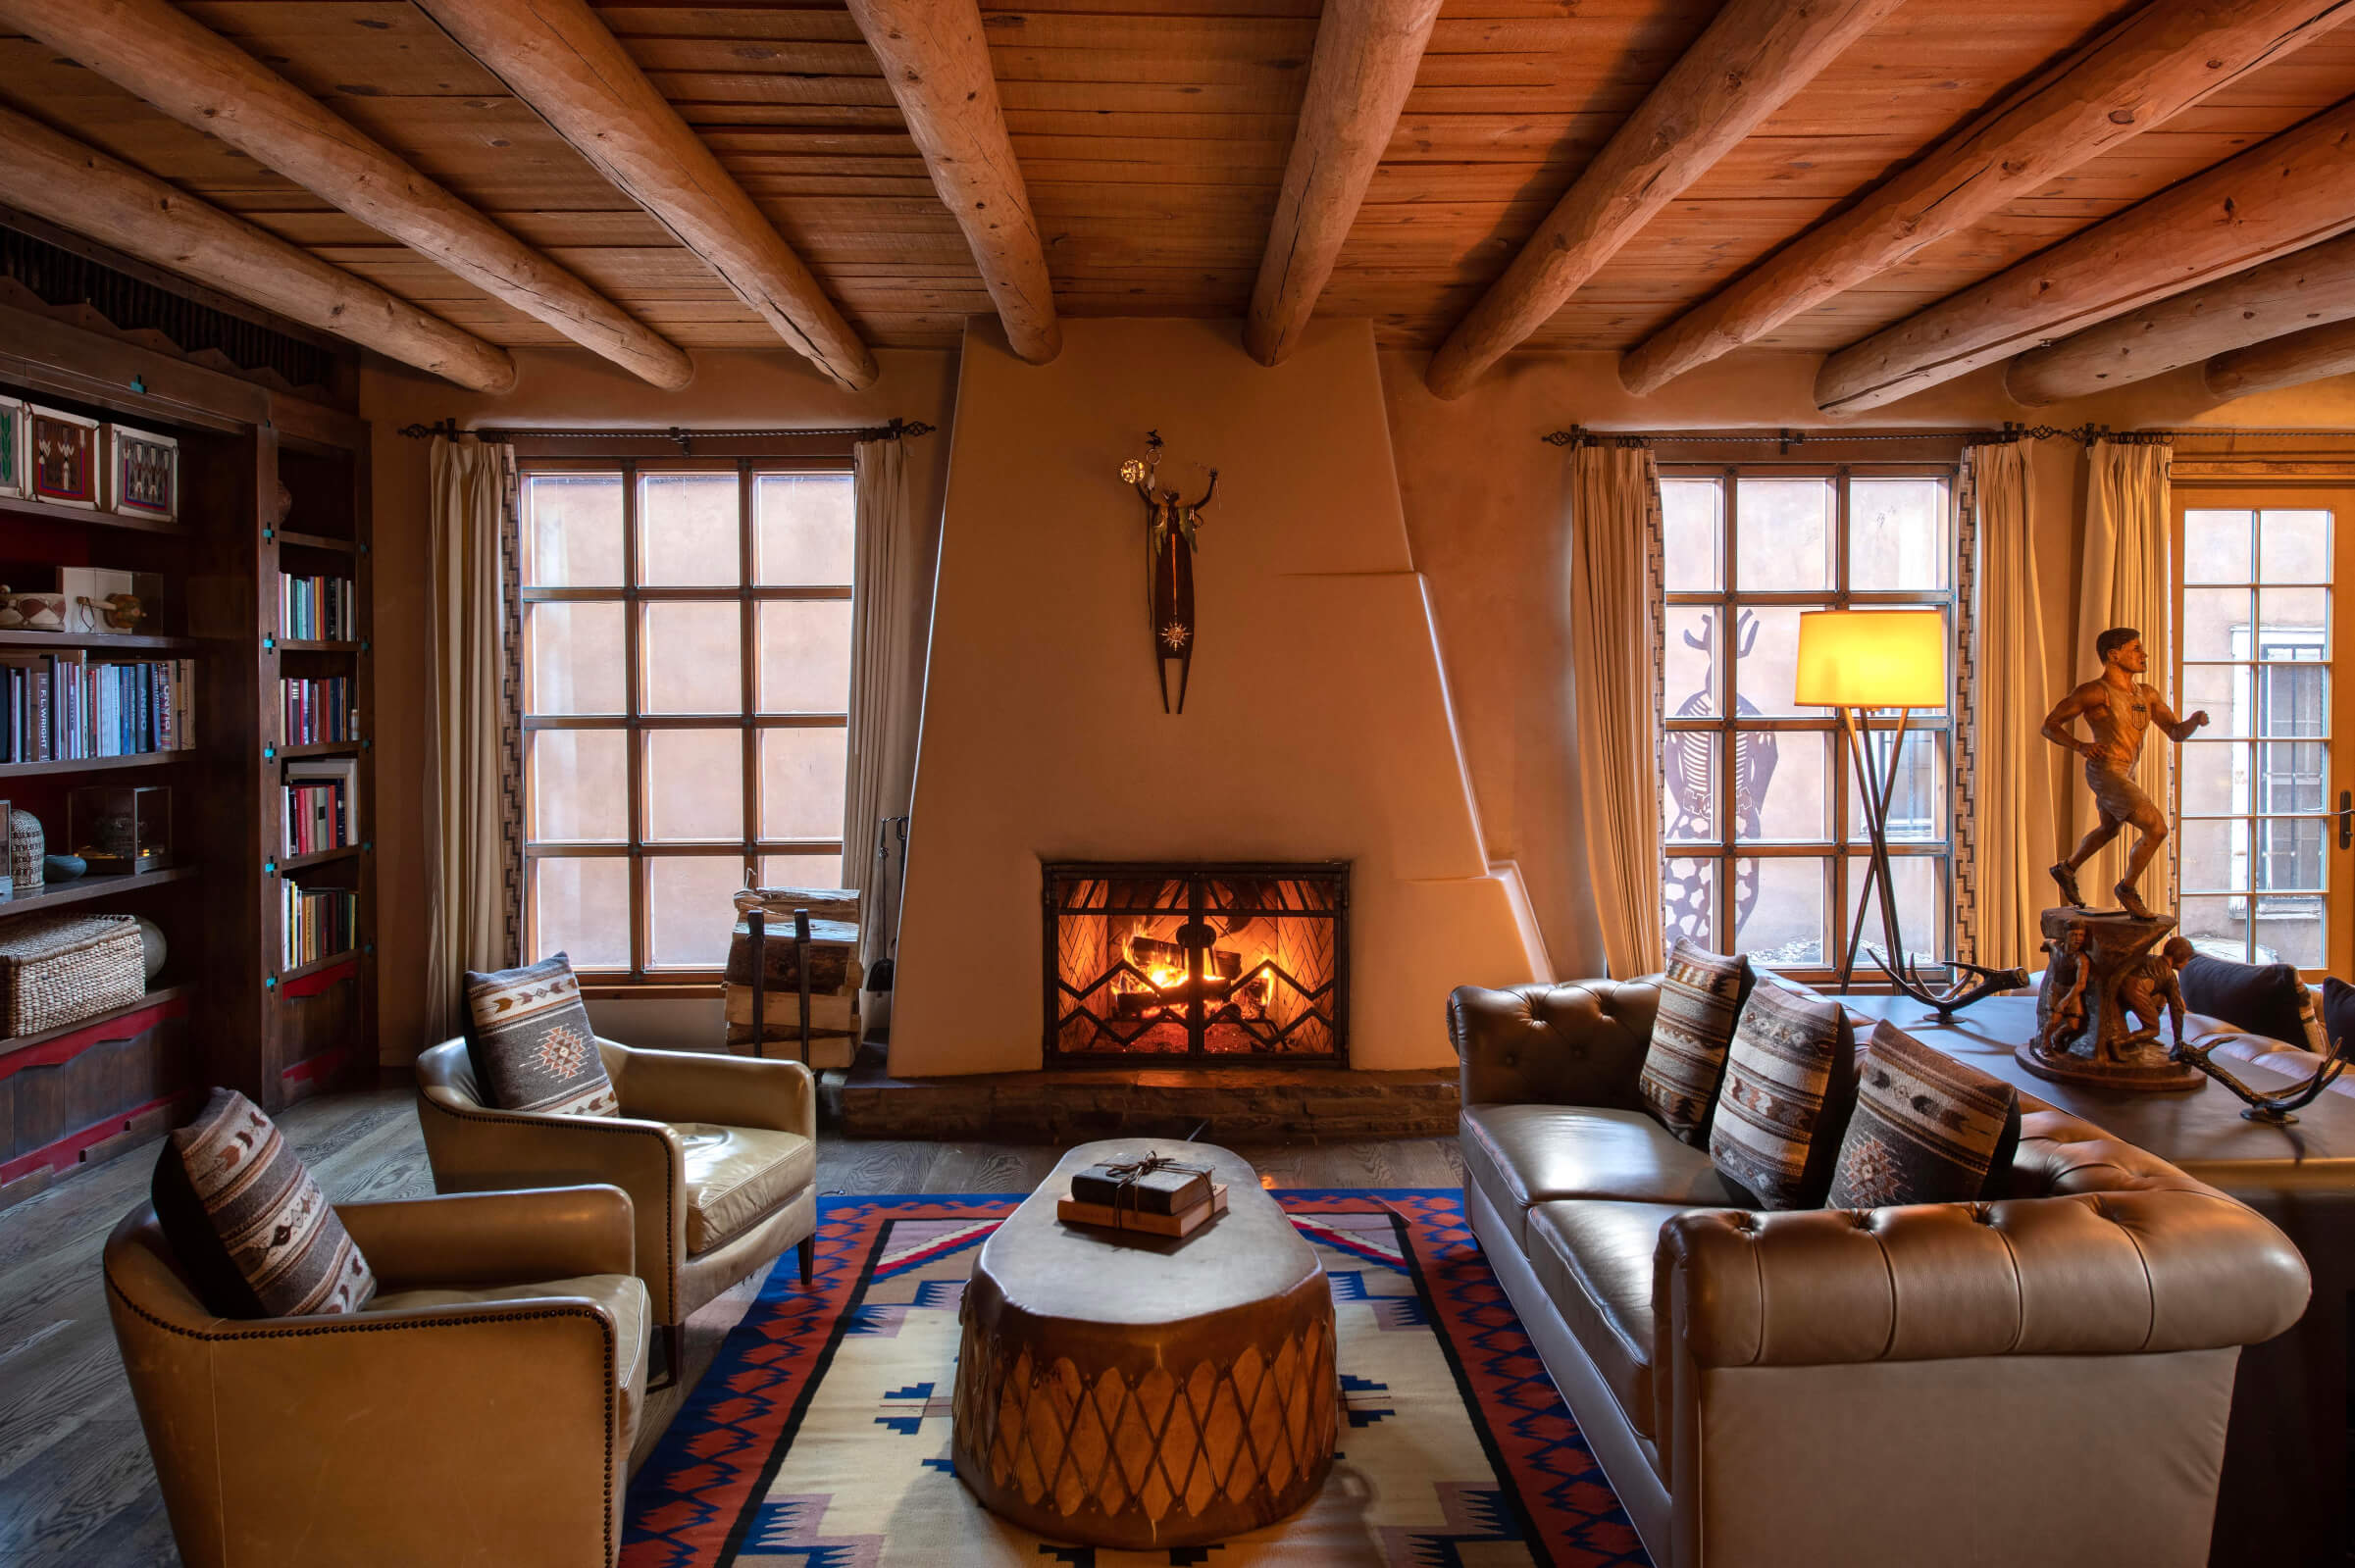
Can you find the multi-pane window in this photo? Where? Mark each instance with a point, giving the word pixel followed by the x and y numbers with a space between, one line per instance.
pixel 2253 786
pixel 1766 842
pixel 687 680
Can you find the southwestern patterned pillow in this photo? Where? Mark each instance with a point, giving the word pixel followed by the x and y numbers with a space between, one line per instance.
pixel 248 1224
pixel 1700 996
pixel 1927 1129
pixel 531 1042
pixel 1790 1085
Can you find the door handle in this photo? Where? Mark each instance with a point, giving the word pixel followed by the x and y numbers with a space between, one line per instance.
pixel 2346 823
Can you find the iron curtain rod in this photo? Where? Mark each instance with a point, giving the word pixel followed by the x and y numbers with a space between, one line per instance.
pixel 894 431
pixel 1580 435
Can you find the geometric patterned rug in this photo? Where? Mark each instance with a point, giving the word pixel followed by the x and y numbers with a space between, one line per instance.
pixel 819 1437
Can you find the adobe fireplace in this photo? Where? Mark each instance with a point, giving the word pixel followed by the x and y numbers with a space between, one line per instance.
pixel 1200 963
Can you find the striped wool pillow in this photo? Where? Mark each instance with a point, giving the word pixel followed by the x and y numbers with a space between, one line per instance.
pixel 1790 1085
pixel 248 1224
pixel 1927 1129
pixel 531 1044
pixel 1700 997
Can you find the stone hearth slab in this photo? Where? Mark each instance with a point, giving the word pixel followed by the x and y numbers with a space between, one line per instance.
pixel 1237 1105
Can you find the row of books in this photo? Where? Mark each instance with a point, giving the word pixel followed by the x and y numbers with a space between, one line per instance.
pixel 323 803
pixel 317 609
pixel 315 819
pixel 63 707
pixel 320 711
pixel 319 923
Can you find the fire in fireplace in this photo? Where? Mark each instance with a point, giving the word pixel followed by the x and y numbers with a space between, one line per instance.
pixel 1216 963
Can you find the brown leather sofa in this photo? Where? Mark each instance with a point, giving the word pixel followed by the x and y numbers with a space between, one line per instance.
pixel 2040 1379
pixel 719 1155
pixel 479 1411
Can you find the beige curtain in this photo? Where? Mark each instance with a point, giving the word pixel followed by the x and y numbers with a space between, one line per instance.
pixel 2123 582
pixel 1614 672
pixel 2011 808
pixel 466 907
pixel 886 624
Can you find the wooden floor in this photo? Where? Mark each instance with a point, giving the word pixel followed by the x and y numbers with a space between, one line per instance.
pixel 75 1485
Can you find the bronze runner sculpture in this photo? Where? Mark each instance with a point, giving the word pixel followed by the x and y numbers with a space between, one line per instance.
pixel 2104 989
pixel 2118 709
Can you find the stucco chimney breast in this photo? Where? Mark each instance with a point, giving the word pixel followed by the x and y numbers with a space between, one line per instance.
pixel 1317 727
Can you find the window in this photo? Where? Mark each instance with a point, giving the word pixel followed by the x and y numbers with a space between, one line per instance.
pixel 1765 835
pixel 2253 849
pixel 686 685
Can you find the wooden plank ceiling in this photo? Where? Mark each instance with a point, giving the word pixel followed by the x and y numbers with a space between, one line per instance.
pixel 1152 136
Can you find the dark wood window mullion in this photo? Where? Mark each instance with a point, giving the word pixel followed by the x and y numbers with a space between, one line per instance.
pixel 691 721
pixel 749 689
pixel 1843 907
pixel 634 705
pixel 1729 644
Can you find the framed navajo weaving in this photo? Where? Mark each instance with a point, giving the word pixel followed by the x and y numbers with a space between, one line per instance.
pixel 142 473
pixel 12 447
pixel 62 457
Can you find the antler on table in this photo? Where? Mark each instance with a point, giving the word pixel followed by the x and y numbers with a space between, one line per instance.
pixel 2274 1107
pixel 1946 1000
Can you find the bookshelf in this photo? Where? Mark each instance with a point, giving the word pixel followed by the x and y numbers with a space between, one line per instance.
pixel 225 1008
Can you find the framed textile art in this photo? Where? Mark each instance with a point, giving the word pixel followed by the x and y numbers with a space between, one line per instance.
pixel 12 447
pixel 142 473
pixel 62 459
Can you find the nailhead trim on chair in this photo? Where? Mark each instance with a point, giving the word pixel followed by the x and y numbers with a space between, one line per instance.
pixel 605 1329
pixel 598 1124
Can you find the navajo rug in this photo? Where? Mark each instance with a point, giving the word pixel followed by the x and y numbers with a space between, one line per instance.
pixel 819 1439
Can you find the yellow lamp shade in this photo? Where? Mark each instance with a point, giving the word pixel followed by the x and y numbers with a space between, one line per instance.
pixel 1871 659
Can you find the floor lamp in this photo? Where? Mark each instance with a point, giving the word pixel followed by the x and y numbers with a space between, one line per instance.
pixel 1862 662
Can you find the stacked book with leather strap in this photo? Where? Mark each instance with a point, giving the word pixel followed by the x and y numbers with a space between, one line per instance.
pixel 1152 1194
pixel 835 976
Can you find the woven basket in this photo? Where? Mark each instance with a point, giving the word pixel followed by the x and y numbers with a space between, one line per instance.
pixel 27 853
pixel 60 969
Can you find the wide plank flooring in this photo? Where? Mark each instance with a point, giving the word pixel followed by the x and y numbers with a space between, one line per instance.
pixel 76 1487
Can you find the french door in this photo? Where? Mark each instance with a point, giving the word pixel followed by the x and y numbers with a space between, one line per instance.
pixel 2265 869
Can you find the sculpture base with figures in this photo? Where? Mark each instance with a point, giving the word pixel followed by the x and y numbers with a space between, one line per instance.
pixel 2109 991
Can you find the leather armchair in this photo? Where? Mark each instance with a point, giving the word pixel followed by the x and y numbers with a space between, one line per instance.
pixel 718 1155
pixel 481 1411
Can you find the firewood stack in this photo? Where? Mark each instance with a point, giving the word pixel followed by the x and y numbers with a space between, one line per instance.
pixel 835 976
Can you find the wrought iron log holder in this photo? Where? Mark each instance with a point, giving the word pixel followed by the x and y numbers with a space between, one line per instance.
pixel 756 922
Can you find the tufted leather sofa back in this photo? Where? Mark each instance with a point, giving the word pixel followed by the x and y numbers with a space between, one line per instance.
pixel 1580 1043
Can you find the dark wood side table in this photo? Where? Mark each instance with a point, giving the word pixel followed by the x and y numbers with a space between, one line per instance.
pixel 2285 1494
pixel 1130 1392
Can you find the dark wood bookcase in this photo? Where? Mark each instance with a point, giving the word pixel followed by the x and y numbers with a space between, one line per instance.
pixel 225 1009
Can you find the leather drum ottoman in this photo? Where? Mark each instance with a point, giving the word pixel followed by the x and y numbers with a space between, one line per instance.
pixel 1140 1393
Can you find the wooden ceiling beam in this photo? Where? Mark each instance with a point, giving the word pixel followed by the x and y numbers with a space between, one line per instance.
pixel 82 190
pixel 2281 195
pixel 2309 288
pixel 2153 64
pixel 2291 360
pixel 1744 67
pixel 937 64
pixel 561 62
pixel 1358 78
pixel 155 50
